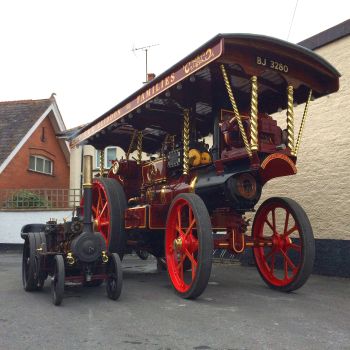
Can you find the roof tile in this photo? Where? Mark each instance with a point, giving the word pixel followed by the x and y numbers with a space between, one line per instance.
pixel 16 119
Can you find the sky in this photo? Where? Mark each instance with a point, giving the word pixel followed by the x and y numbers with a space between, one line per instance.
pixel 83 50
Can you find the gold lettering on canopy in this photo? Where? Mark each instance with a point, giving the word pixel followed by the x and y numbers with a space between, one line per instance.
pixel 198 61
pixel 153 89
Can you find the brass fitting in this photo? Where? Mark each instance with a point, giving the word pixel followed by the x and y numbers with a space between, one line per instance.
pixel 104 257
pixel 70 259
pixel 87 172
pixel 254 115
pixel 131 145
pixel 102 162
pixel 290 119
pixel 177 244
pixel 302 125
pixel 235 111
pixel 186 142
pixel 139 147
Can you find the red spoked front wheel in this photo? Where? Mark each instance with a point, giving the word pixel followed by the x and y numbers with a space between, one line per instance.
pixel 284 249
pixel 108 207
pixel 188 245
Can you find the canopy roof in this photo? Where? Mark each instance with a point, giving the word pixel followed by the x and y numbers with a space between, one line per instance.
pixel 196 83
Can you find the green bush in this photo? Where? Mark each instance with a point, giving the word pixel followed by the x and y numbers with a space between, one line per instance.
pixel 25 199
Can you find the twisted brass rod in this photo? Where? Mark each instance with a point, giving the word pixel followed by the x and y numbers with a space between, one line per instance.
pixel 254 115
pixel 302 125
pixel 235 110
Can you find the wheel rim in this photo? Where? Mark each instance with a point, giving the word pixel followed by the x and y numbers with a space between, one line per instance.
pixel 114 277
pixel 55 282
pixel 280 260
pixel 182 245
pixel 25 264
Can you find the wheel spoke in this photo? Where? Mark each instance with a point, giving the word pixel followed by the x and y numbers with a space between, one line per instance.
pixel 287 259
pixel 180 266
pixel 179 230
pixel 269 224
pixel 94 210
pixel 99 199
pixel 295 247
pixel 286 222
pixel 272 252
pixel 104 223
pixel 274 220
pixel 294 228
pixel 179 224
pixel 190 227
pixel 190 219
pixel 194 243
pixel 103 209
pixel 191 257
pixel 194 270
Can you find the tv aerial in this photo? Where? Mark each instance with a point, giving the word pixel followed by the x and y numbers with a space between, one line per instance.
pixel 145 49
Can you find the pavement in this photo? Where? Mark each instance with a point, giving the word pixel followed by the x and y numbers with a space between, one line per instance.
pixel 236 311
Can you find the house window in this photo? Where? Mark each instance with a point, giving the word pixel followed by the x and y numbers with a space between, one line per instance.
pixel 110 155
pixel 40 164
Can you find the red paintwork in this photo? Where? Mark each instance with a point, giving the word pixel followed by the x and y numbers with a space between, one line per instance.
pixel 276 165
pixel 101 210
pixel 129 175
pixel 136 217
pixel 270 136
pixel 154 172
pixel 181 226
pixel 268 230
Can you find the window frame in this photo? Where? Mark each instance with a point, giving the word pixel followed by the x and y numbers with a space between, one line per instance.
pixel 97 157
pixel 44 159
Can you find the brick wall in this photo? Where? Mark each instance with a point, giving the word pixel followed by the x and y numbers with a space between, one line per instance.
pixel 322 185
pixel 17 173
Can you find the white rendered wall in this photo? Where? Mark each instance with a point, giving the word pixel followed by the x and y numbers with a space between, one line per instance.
pixel 11 222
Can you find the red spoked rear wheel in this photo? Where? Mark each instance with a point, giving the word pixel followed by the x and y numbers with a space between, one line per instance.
pixel 188 245
pixel 108 207
pixel 286 256
pixel 101 209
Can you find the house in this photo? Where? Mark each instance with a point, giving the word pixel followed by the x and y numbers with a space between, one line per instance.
pixel 31 155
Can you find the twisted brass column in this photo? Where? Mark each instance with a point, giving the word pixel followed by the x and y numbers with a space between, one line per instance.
pixel 186 142
pixel 235 110
pixel 290 119
pixel 131 145
pixel 254 115
pixel 102 162
pixel 302 125
pixel 139 147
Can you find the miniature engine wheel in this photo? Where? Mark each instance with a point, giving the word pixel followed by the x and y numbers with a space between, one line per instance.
pixel 286 258
pixel 57 282
pixel 29 279
pixel 33 277
pixel 40 240
pixel 114 281
pixel 188 242
pixel 108 207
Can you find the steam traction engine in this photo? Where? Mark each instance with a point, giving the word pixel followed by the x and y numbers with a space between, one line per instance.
pixel 69 252
pixel 200 143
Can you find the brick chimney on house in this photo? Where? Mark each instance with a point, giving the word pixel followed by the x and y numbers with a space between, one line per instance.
pixel 150 77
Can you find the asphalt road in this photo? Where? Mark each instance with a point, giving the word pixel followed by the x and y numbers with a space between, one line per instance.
pixel 237 311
